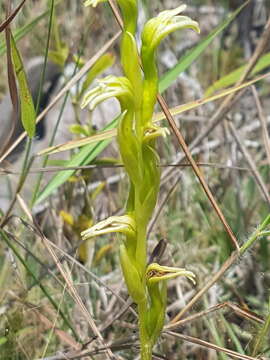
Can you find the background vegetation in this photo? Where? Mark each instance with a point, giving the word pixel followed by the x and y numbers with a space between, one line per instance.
pixel 62 299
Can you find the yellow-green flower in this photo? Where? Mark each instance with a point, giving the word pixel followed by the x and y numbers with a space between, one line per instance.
pixel 156 29
pixel 156 273
pixel 123 224
pixel 110 86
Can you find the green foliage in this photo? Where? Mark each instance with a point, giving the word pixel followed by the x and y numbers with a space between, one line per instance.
pixel 83 157
pixel 9 348
pixel 26 101
pixel 235 75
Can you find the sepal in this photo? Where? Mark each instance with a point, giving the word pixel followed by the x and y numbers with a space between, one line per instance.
pixel 153 131
pixel 157 28
pixel 156 273
pixel 111 86
pixel 122 224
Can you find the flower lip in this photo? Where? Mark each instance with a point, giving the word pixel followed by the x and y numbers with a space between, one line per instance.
pixel 156 273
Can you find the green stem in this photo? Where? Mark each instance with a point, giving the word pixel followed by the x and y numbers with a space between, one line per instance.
pixel 146 345
pixel 141 238
pixel 257 233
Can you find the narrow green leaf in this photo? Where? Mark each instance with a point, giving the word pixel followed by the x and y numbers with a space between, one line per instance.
pixel 28 114
pixel 235 75
pixel 193 54
pixel 84 157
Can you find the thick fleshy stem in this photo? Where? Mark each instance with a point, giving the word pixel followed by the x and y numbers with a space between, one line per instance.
pixel 145 342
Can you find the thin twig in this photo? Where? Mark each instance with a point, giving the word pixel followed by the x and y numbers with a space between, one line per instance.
pixel 208 285
pixel 237 309
pixel 197 170
pixel 263 121
pixel 209 345
pixel 72 290
pixel 87 167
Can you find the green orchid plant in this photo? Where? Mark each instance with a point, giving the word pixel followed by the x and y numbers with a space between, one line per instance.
pixel 136 136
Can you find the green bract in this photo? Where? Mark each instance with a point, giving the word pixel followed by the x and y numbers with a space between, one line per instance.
pixel 130 150
pixel 132 276
pixel 129 11
pixel 131 66
pixel 136 136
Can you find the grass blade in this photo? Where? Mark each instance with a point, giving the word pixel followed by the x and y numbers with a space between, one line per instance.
pixel 104 135
pixel 261 338
pixel 84 157
pixel 235 75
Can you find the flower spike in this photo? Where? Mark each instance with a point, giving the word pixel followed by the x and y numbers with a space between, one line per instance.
pixel 136 136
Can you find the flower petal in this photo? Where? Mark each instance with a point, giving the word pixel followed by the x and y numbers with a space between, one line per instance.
pixel 122 224
pixel 156 273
